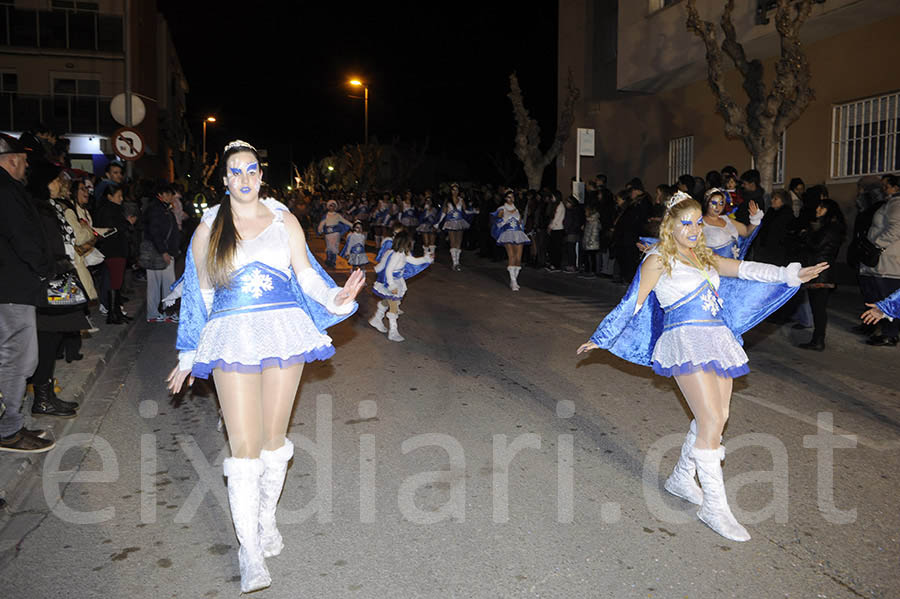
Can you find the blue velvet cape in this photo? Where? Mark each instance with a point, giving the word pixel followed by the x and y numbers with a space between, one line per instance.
pixel 890 305
pixel 633 336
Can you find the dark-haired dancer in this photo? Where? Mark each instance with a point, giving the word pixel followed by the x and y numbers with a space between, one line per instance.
pixel 678 317
pixel 395 267
pixel 509 232
pixel 254 309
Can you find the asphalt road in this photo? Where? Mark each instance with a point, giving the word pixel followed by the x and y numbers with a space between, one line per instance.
pixel 481 458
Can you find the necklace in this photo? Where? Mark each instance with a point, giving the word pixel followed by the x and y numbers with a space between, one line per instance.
pixel 695 263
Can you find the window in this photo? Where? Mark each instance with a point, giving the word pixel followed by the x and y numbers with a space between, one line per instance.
pixel 681 157
pixel 779 161
pixel 661 4
pixel 9 83
pixel 864 138
pixel 72 25
pixel 76 87
pixel 75 5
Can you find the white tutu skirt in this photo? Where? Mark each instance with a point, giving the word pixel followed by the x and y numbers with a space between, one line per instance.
pixel 256 340
pixel 513 236
pixel 425 228
pixel 409 221
pixel 358 259
pixel 455 225
pixel 688 349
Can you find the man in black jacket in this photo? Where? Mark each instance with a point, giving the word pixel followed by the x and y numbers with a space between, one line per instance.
pixel 25 260
pixel 159 249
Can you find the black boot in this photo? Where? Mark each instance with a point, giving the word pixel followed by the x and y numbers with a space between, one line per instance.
pixel 46 404
pixel 118 307
pixel 69 405
pixel 814 344
pixel 113 314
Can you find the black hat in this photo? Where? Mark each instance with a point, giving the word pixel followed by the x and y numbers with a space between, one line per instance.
pixel 11 145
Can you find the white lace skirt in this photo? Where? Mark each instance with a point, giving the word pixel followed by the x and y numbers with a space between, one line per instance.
pixel 514 236
pixel 257 340
pixel 687 349
pixel 455 225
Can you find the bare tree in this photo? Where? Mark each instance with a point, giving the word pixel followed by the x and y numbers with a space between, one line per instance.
pixel 528 132
pixel 406 160
pixel 768 113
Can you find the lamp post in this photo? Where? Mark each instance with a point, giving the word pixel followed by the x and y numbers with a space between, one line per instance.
pixel 358 83
pixel 209 119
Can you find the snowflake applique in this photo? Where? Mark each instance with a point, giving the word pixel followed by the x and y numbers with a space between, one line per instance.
pixel 711 303
pixel 255 282
pixel 735 250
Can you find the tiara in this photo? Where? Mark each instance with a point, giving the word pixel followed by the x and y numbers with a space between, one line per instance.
pixel 679 196
pixel 239 144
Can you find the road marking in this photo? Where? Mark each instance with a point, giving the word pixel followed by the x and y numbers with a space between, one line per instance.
pixel 572 328
pixel 861 439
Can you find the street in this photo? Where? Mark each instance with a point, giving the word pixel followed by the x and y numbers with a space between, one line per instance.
pixel 481 458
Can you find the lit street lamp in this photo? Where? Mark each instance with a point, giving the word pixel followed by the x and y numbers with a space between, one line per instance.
pixel 358 83
pixel 209 119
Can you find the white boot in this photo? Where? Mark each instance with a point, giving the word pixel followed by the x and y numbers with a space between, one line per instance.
pixel 377 320
pixel 270 486
pixel 512 278
pixel 714 510
pixel 454 254
pixel 243 497
pixel 516 277
pixel 681 482
pixel 394 334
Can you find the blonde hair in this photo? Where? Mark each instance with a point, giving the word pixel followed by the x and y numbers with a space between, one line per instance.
pixel 668 247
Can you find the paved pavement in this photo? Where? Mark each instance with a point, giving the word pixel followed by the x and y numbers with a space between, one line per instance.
pixel 480 458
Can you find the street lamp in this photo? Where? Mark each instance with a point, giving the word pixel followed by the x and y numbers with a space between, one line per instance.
pixel 209 119
pixel 358 83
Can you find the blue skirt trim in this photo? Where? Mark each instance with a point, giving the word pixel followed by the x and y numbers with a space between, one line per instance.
pixel 387 296
pixel 202 370
pixel 689 368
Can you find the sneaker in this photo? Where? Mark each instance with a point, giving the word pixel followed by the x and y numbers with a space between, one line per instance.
pixel 103 309
pixel 158 319
pixel 173 318
pixel 25 442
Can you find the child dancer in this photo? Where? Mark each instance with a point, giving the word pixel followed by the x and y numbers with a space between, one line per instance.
pixel 428 220
pixel 333 226
pixel 509 232
pixel 395 267
pixel 455 220
pixel 354 251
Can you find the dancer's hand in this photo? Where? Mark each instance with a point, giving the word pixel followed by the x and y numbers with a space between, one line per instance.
pixel 872 315
pixel 753 207
pixel 808 273
pixel 586 347
pixel 176 378
pixel 351 288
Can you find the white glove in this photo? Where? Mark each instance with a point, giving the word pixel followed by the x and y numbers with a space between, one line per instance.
pixel 313 286
pixel 756 219
pixel 186 360
pixel 769 273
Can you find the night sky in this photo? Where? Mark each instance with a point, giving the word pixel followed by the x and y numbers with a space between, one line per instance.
pixel 274 74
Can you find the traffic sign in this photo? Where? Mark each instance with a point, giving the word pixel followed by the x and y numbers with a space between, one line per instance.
pixel 128 143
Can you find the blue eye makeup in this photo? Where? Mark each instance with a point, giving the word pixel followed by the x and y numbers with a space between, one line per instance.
pixel 236 172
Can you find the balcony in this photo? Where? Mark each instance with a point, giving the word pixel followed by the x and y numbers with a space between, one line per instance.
pixel 60 30
pixel 62 113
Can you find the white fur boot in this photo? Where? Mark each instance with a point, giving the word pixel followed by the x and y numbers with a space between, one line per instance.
pixel 243 497
pixel 377 320
pixel 714 510
pixel 512 278
pixel 681 482
pixel 454 254
pixel 394 334
pixel 516 276
pixel 270 486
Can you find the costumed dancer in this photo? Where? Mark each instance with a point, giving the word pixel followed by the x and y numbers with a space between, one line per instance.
pixel 354 251
pixel 428 219
pixel 388 242
pixel 395 267
pixel 408 215
pixel 378 219
pixel 508 231
pixel 888 308
pixel 455 220
pixel 255 308
pixel 333 226
pixel 681 318
pixel 725 236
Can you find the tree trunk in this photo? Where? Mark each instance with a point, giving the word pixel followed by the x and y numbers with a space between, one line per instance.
pixel 765 164
pixel 534 174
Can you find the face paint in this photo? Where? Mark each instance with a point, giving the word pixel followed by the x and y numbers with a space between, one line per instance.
pixel 244 178
pixel 688 233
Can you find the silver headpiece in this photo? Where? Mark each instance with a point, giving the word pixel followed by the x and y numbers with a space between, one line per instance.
pixel 238 144
pixel 678 197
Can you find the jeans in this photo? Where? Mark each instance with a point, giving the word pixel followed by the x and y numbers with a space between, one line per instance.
pixel 18 359
pixel 158 284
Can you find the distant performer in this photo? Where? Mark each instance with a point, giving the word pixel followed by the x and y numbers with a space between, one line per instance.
pixel 508 231
pixel 354 251
pixel 428 219
pixel 395 267
pixel 679 317
pixel 254 309
pixel 333 226
pixel 455 220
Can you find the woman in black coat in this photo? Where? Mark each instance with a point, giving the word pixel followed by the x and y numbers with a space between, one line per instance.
pixel 110 214
pixel 821 242
pixel 773 242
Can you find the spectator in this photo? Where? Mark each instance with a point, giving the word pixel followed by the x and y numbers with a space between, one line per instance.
pixel 773 241
pixel 573 225
pixel 111 216
pixel 590 241
pixel 751 191
pixel 24 258
pixel 114 174
pixel 628 230
pixel 556 231
pixel 796 188
pixel 159 248
pixel 885 234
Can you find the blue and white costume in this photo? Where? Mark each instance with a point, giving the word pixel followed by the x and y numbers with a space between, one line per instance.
pixel 386 244
pixel 457 218
pixel 333 226
pixel 408 216
pixel 267 316
pixel 726 242
pixel 428 219
pixel 354 251
pixel 890 305
pixel 509 228
pixel 392 272
pixel 692 322
pixel 381 218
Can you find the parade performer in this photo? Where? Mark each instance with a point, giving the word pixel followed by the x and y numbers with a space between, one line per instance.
pixel 508 231
pixel 408 215
pixel 254 309
pixel 725 236
pixel 379 216
pixel 888 308
pixel 681 318
pixel 455 220
pixel 354 251
pixel 395 267
pixel 388 242
pixel 428 219
pixel 333 226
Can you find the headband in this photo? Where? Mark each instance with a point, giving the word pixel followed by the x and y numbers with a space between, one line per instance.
pixel 677 197
pixel 239 144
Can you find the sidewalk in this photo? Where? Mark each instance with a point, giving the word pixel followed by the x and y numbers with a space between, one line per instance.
pixel 75 380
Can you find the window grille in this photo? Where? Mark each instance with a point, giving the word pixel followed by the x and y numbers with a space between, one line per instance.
pixel 681 157
pixel 864 138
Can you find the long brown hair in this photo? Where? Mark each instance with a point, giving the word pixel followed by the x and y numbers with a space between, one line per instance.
pixel 223 236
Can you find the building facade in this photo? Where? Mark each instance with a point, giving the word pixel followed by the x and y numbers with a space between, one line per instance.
pixel 62 62
pixel 645 93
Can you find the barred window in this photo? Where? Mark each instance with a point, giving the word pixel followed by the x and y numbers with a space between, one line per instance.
pixel 681 157
pixel 864 138
pixel 779 161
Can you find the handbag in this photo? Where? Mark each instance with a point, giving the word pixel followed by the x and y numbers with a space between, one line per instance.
pixel 868 253
pixel 63 290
